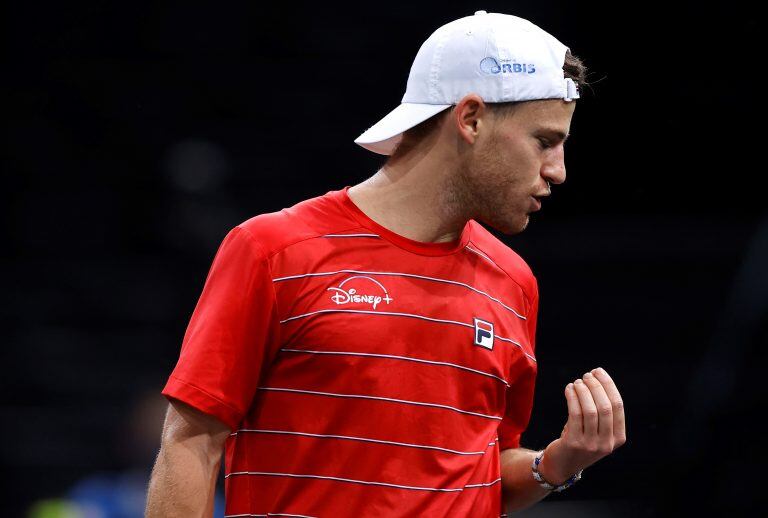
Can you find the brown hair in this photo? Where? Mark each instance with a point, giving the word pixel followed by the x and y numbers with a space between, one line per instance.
pixel 573 68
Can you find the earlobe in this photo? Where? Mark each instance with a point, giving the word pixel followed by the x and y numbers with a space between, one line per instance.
pixel 470 131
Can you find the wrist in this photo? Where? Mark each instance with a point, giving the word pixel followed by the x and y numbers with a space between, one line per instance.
pixel 549 469
pixel 547 484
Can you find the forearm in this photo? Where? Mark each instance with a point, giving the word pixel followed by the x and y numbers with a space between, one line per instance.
pixel 518 485
pixel 183 483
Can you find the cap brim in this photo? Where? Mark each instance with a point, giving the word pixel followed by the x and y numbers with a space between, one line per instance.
pixel 384 136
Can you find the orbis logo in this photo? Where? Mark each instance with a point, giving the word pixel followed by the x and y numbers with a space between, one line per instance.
pixel 363 293
pixel 492 66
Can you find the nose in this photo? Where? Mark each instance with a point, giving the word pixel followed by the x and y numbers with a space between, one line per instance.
pixel 553 167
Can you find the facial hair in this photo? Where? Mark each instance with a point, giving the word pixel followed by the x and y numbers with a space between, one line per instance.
pixel 483 182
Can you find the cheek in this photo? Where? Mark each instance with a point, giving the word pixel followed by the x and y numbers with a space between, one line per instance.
pixel 501 172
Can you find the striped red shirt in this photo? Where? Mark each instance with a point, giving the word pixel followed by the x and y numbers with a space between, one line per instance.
pixel 361 372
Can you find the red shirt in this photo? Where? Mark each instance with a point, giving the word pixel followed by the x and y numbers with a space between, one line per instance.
pixel 362 373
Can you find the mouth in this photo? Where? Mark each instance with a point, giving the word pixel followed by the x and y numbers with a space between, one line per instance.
pixel 536 203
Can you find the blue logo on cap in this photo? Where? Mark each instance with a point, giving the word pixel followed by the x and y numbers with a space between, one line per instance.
pixel 491 66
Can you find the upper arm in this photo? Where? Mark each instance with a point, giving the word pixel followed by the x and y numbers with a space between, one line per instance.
pixel 194 429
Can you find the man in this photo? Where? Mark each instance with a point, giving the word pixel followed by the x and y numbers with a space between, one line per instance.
pixel 371 351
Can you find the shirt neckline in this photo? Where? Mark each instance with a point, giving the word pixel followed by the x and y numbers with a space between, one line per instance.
pixel 417 247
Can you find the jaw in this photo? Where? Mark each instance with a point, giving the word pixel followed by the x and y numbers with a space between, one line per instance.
pixel 509 226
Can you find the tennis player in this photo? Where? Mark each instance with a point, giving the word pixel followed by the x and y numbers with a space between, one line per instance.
pixel 371 351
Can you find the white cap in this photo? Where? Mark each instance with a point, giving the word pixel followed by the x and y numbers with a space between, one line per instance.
pixel 500 57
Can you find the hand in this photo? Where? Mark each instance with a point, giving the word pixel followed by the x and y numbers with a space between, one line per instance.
pixel 594 429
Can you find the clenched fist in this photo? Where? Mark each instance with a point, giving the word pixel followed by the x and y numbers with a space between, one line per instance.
pixel 595 427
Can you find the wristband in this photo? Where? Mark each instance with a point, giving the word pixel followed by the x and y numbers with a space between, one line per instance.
pixel 546 485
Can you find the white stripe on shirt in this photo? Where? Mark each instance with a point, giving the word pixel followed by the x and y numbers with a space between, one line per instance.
pixel 378 398
pixel 484 484
pixel 478 252
pixel 367 312
pixel 351 235
pixel 363 439
pixel 365 482
pixel 395 357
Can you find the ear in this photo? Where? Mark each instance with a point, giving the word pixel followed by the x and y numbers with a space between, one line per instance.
pixel 469 116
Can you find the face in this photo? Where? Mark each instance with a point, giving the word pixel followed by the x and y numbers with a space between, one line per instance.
pixel 505 175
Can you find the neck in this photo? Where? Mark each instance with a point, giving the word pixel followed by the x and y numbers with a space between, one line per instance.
pixel 417 196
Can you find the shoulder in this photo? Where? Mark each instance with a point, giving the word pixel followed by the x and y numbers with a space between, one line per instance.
pixel 504 258
pixel 308 219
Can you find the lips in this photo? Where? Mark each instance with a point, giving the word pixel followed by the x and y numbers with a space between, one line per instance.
pixel 538 197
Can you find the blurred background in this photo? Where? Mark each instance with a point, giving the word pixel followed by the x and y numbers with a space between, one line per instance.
pixel 137 134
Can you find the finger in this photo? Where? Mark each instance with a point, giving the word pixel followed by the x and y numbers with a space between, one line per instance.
pixel 574 424
pixel 604 407
pixel 588 408
pixel 617 404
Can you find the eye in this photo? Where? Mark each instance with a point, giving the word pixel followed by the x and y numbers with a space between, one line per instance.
pixel 544 143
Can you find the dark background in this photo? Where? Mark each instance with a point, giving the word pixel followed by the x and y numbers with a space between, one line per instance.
pixel 138 133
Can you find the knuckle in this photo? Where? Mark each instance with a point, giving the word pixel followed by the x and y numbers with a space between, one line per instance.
pixel 590 414
pixel 606 411
pixel 618 405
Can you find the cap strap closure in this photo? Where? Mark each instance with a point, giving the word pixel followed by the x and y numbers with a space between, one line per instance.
pixel 571 90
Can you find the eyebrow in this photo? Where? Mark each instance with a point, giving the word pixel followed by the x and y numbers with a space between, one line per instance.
pixel 563 136
pixel 560 135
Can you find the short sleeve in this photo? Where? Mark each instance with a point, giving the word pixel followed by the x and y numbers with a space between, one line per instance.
pixel 232 333
pixel 519 398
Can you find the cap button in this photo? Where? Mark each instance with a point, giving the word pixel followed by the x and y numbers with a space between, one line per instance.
pixel 480 12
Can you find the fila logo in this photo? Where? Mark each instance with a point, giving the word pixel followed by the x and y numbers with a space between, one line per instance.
pixel 484 333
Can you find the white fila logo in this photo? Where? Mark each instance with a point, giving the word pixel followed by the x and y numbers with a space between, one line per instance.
pixel 354 295
pixel 484 333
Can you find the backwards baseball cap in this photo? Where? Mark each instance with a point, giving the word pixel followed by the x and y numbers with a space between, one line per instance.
pixel 500 57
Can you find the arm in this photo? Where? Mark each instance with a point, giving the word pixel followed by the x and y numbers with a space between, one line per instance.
pixel 183 480
pixel 594 429
pixel 520 489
